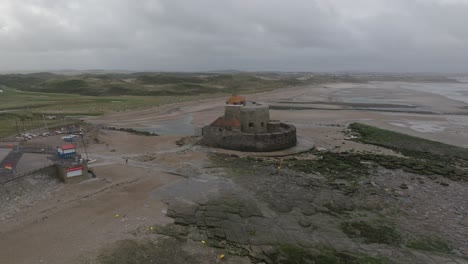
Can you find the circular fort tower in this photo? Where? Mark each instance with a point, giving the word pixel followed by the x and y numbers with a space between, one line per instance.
pixel 233 107
pixel 246 126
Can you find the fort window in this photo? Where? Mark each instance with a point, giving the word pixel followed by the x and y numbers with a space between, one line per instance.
pixel 262 124
pixel 251 124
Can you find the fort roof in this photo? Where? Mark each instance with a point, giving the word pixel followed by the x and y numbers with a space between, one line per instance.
pixel 235 99
pixel 226 122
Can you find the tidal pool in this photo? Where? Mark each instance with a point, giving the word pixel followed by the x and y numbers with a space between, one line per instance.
pixel 180 126
pixel 422 127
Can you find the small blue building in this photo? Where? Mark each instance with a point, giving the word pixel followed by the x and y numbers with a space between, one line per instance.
pixel 66 151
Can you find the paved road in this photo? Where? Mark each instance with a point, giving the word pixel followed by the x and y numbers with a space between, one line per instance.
pixel 15 155
pixel 12 158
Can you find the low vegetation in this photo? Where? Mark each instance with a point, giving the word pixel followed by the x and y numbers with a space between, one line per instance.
pixel 290 254
pixel 96 94
pixel 131 251
pixel 132 131
pixel 353 165
pixel 332 165
pixel 408 145
pixel 421 166
pixel 371 233
pixel 429 244
pixel 423 156
pixel 150 84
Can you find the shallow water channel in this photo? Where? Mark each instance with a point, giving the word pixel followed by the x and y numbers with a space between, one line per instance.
pixel 180 126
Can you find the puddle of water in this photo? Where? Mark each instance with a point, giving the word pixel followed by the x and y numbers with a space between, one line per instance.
pixel 421 127
pixel 181 126
pixel 403 110
pixel 462 79
pixel 193 189
pixel 371 101
pixel 356 100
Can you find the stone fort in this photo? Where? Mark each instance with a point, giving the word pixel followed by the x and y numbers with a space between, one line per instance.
pixel 246 126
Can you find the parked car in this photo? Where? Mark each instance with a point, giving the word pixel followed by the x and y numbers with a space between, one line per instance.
pixel 26 136
pixel 70 138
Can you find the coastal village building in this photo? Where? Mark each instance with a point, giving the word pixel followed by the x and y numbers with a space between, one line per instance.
pixel 66 151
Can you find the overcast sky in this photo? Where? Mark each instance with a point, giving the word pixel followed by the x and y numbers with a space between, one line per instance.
pixel 196 35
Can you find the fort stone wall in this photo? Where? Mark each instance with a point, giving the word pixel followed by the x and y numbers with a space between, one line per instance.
pixel 235 139
pixel 246 126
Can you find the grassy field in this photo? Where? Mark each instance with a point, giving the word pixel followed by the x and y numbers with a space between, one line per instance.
pixel 422 156
pixel 72 104
pixel 408 145
pixel 95 94
pixel 28 107
pixel 40 94
pixel 148 84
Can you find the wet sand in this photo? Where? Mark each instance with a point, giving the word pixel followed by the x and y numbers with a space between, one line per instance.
pixel 430 114
pixel 74 220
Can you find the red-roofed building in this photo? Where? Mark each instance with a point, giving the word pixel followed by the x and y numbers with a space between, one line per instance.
pixel 67 150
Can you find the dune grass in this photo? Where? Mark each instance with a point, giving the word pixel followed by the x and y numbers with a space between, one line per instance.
pixel 406 144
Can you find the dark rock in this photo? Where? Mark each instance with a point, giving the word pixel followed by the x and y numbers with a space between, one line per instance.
pixel 258 221
pixel 219 233
pixel 269 250
pixel 234 218
pixel 237 234
pixel 304 222
pixel 465 221
pixel 184 209
pixel 185 220
pixel 171 213
pixel 216 243
pixel 308 210
pixel 197 234
pixel 249 210
pixel 215 214
pixel 213 222
pixel 282 206
pixel 263 239
pixel 233 236
pixel 444 184
pixel 404 186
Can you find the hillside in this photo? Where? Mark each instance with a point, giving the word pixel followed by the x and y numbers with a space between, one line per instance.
pixel 150 84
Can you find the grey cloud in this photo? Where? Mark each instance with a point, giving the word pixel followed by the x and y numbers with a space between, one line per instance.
pixel 320 35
